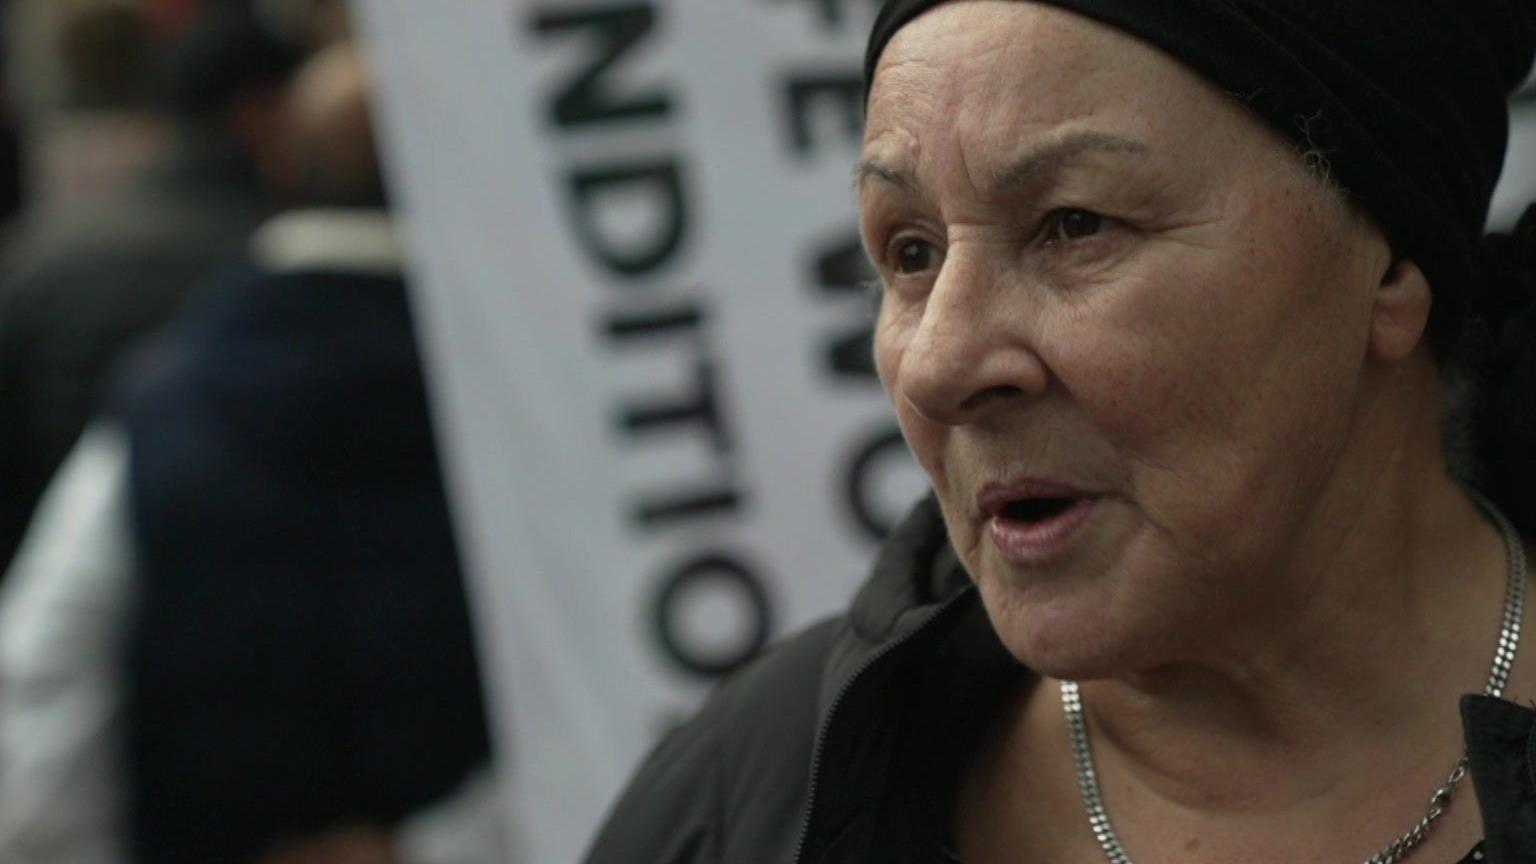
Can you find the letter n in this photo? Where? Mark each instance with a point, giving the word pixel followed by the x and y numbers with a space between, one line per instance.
pixel 589 96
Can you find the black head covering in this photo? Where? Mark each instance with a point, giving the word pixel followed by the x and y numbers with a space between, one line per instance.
pixel 1406 102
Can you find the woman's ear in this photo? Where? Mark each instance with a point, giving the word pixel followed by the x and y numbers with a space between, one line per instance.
pixel 1401 312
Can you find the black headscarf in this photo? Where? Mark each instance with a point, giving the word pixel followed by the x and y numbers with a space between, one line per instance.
pixel 1406 101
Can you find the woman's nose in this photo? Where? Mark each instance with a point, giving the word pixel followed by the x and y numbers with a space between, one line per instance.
pixel 973 349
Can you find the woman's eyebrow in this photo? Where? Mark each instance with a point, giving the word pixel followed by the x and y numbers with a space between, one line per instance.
pixel 1052 156
pixel 873 169
pixel 1040 161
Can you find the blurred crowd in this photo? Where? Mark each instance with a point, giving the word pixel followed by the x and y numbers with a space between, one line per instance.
pixel 232 617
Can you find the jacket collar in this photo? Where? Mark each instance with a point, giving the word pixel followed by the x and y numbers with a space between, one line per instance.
pixel 916 570
pixel 917 608
pixel 1501 747
pixel 915 576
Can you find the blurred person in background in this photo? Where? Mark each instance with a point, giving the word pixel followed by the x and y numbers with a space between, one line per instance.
pixel 11 191
pixel 82 280
pixel 263 526
pixel 81 81
pixel 302 658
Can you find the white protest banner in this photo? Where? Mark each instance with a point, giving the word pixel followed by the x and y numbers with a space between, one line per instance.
pixel 639 288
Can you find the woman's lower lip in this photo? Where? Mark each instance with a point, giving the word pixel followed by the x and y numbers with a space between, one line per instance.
pixel 1031 543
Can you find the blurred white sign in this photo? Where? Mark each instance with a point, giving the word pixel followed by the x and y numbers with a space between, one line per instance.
pixel 640 291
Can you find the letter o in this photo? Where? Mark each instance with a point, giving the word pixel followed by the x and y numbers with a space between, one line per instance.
pixel 703 572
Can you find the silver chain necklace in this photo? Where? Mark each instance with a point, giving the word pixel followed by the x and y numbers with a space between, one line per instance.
pixel 1439 802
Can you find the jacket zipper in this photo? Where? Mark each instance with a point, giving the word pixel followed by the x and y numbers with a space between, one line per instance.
pixel 837 700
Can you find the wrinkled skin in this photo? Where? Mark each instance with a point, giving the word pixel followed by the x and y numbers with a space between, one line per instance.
pixel 1197 350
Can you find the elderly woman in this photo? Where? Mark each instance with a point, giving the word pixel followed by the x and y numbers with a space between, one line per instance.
pixel 1175 297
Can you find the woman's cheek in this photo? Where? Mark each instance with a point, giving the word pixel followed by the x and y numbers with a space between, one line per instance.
pixel 924 438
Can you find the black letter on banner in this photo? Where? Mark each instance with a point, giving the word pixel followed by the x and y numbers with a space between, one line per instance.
pixel 654 512
pixel 655 323
pixel 705 571
pixel 860 489
pixel 702 407
pixel 842 268
pixel 664 182
pixel 587 99
pixel 846 91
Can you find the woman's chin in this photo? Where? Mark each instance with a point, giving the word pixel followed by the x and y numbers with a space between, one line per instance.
pixel 1068 635
pixel 1087 613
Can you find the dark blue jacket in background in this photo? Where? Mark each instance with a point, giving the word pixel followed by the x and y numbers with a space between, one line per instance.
pixel 301 657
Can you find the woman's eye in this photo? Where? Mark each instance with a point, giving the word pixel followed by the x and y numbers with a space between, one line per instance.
pixel 1074 224
pixel 915 256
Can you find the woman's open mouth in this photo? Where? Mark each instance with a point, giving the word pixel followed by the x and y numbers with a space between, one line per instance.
pixel 1032 523
pixel 1037 510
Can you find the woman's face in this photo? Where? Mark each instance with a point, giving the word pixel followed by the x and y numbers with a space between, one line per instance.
pixel 1124 330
